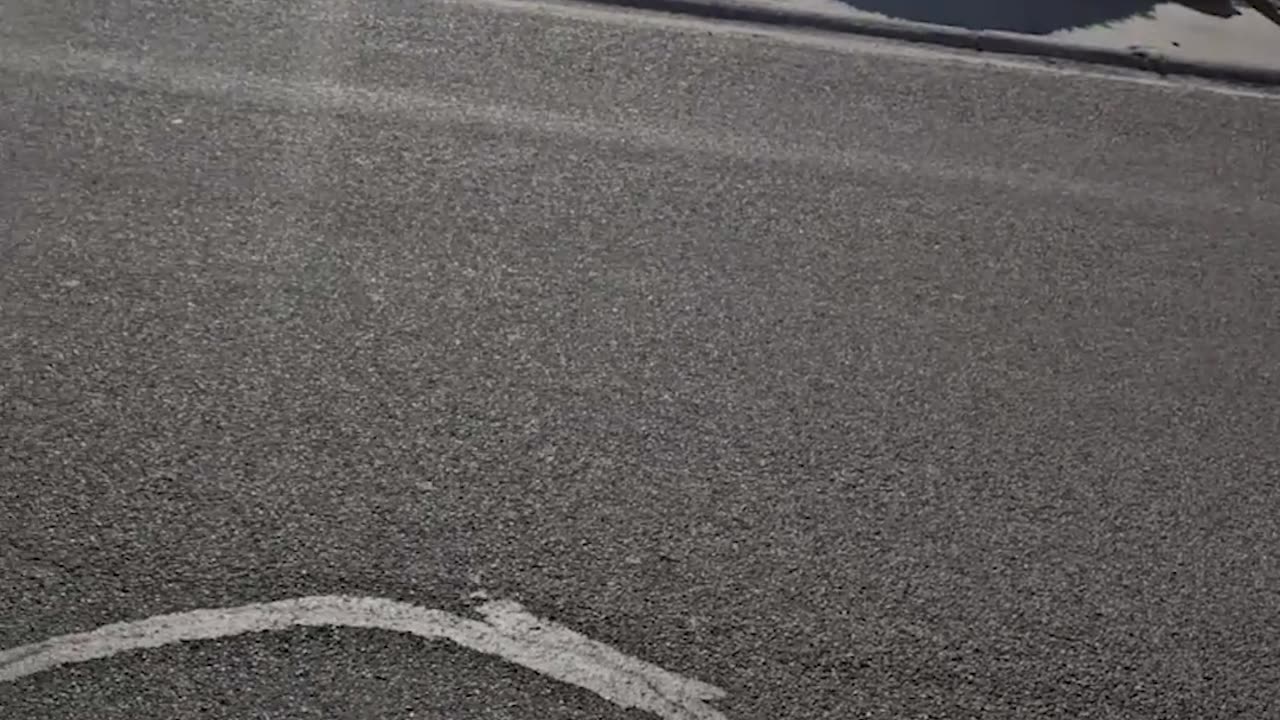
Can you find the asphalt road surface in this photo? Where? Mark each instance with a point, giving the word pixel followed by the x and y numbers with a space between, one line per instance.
pixel 854 379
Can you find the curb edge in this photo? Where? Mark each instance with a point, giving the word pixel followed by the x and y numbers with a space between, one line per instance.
pixel 982 41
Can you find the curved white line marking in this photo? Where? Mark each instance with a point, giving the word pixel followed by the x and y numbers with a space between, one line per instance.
pixel 508 631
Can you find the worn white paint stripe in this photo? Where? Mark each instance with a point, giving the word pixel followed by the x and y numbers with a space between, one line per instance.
pixel 508 631
pixel 153 74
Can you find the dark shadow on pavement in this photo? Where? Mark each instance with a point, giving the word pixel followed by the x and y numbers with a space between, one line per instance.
pixel 1036 17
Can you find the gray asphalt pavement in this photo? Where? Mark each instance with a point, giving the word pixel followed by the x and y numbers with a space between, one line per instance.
pixel 856 380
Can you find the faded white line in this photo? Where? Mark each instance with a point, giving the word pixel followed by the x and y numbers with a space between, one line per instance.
pixel 144 73
pixel 508 631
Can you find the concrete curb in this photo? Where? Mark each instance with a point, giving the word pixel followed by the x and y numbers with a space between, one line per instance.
pixel 985 41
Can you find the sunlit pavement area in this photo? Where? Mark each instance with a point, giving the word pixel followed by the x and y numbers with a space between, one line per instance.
pixel 818 377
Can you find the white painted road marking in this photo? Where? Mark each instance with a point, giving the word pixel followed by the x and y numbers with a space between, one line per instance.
pixel 508 631
pixel 156 75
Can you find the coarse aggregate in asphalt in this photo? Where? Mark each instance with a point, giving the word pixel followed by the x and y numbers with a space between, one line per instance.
pixel 856 380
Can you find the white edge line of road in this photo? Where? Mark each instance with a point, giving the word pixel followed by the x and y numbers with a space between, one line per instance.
pixel 507 631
